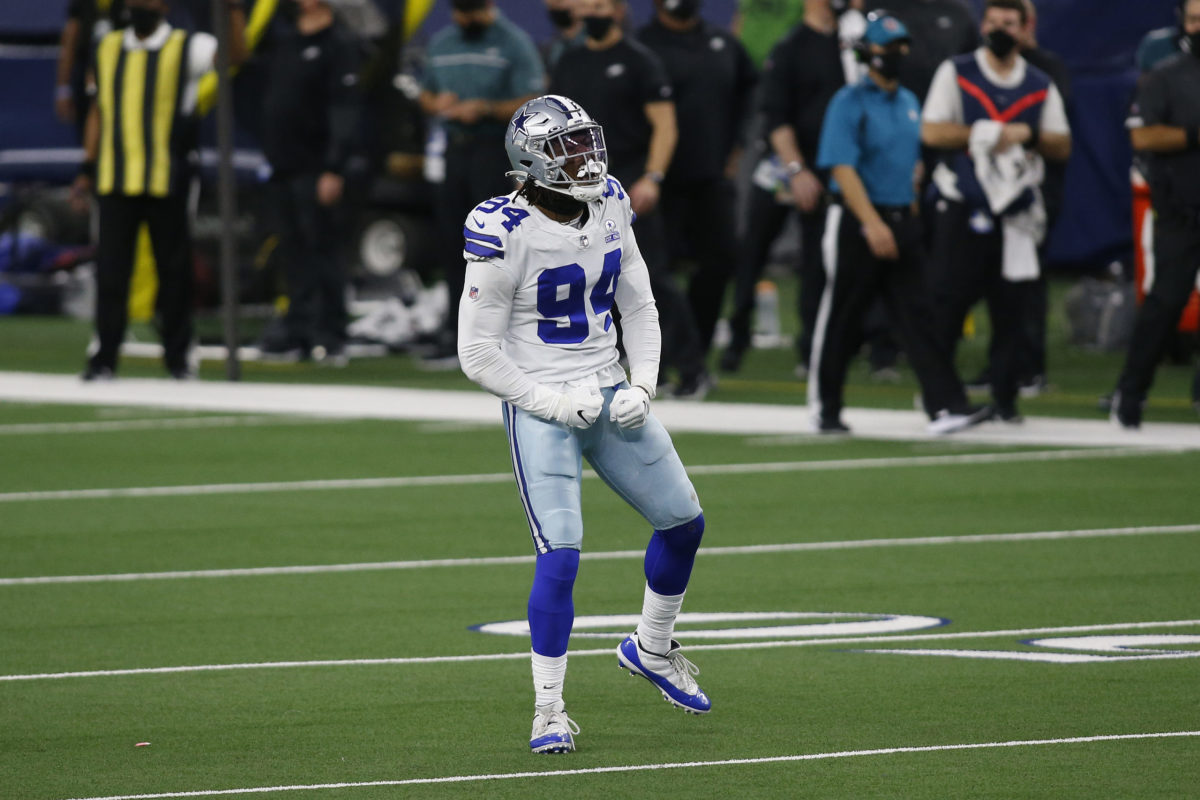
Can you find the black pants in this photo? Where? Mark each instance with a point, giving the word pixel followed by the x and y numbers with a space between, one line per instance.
pixel 120 219
pixel 1176 260
pixel 854 278
pixel 475 170
pixel 702 216
pixel 310 248
pixel 967 267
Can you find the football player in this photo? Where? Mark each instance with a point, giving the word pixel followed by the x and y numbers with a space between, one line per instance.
pixel 547 266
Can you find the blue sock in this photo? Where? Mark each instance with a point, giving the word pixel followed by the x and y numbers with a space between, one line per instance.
pixel 551 609
pixel 670 555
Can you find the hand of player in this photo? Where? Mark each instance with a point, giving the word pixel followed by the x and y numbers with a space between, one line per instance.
pixel 806 190
pixel 880 240
pixel 1011 134
pixel 329 188
pixel 579 407
pixel 470 111
pixel 643 195
pixel 630 407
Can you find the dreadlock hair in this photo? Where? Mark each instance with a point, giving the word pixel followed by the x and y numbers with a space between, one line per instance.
pixel 555 202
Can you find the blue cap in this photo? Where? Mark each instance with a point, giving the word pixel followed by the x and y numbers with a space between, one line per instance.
pixel 883 29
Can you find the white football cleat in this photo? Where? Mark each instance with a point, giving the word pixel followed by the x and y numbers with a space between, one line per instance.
pixel 553 730
pixel 671 674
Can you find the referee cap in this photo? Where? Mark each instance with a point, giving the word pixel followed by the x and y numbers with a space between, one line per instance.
pixel 884 29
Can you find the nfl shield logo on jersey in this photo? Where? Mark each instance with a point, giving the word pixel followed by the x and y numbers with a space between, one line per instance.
pixel 584 242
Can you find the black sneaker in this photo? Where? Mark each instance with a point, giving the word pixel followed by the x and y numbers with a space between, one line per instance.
pixel 1127 415
pixel 1008 415
pixel 92 373
pixel 731 359
pixel 830 426
pixel 694 387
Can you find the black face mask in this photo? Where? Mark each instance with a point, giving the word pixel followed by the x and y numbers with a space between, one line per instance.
pixel 1000 42
pixel 683 10
pixel 1191 43
pixel 144 20
pixel 887 64
pixel 561 18
pixel 474 30
pixel 597 27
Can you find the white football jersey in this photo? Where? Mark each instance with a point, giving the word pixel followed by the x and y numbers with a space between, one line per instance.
pixel 563 280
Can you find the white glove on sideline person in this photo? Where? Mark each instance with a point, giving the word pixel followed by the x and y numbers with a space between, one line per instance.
pixel 630 407
pixel 579 407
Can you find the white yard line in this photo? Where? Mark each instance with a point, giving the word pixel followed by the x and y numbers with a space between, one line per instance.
pixel 725 762
pixel 377 402
pixel 161 423
pixel 611 555
pixel 606 651
pixel 828 465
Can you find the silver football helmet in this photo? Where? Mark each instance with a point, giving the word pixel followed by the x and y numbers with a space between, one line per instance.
pixel 552 141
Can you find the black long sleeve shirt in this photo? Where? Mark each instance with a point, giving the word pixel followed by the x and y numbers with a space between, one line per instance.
pixel 312 109
pixel 800 77
pixel 712 80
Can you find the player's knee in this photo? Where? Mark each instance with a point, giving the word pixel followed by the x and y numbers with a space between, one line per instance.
pixel 562 529
pixel 555 573
pixel 685 537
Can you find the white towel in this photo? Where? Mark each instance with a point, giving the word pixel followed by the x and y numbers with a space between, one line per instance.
pixel 1004 177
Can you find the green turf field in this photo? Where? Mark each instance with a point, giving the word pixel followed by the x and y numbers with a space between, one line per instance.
pixel 145 599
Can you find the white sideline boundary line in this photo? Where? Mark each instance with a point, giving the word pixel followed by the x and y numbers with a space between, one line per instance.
pixel 611 555
pixel 606 651
pixel 725 762
pixel 161 423
pixel 826 465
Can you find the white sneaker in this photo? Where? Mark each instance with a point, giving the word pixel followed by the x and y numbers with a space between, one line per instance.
pixel 947 421
pixel 553 730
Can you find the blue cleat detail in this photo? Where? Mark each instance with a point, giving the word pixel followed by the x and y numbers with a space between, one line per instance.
pixel 553 731
pixel 672 674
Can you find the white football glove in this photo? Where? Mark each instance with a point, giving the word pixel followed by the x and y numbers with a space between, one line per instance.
pixel 579 407
pixel 630 407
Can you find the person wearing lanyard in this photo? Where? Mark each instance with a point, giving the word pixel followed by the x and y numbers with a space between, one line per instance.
pixel 1165 126
pixel 479 71
pixel 871 142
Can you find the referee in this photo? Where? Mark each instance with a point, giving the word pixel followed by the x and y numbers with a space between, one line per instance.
pixel 1165 126
pixel 139 140
pixel 871 140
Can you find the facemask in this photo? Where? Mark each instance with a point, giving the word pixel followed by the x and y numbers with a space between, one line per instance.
pixel 683 10
pixel 1000 42
pixel 474 30
pixel 144 20
pixel 561 18
pixel 887 64
pixel 597 27
pixel 1191 43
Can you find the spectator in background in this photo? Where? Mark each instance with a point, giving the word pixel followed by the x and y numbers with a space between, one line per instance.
pixel 139 143
pixel 88 21
pixel 1031 343
pixel 940 29
pixel 993 117
pixel 871 143
pixel 758 23
pixel 570 30
pixel 626 89
pixel 312 113
pixel 708 69
pixel 1165 127
pixel 802 75
pixel 479 71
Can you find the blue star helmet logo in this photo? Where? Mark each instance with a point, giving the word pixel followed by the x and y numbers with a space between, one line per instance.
pixel 519 122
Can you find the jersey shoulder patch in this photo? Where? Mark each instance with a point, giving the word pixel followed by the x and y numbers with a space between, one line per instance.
pixel 487 228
